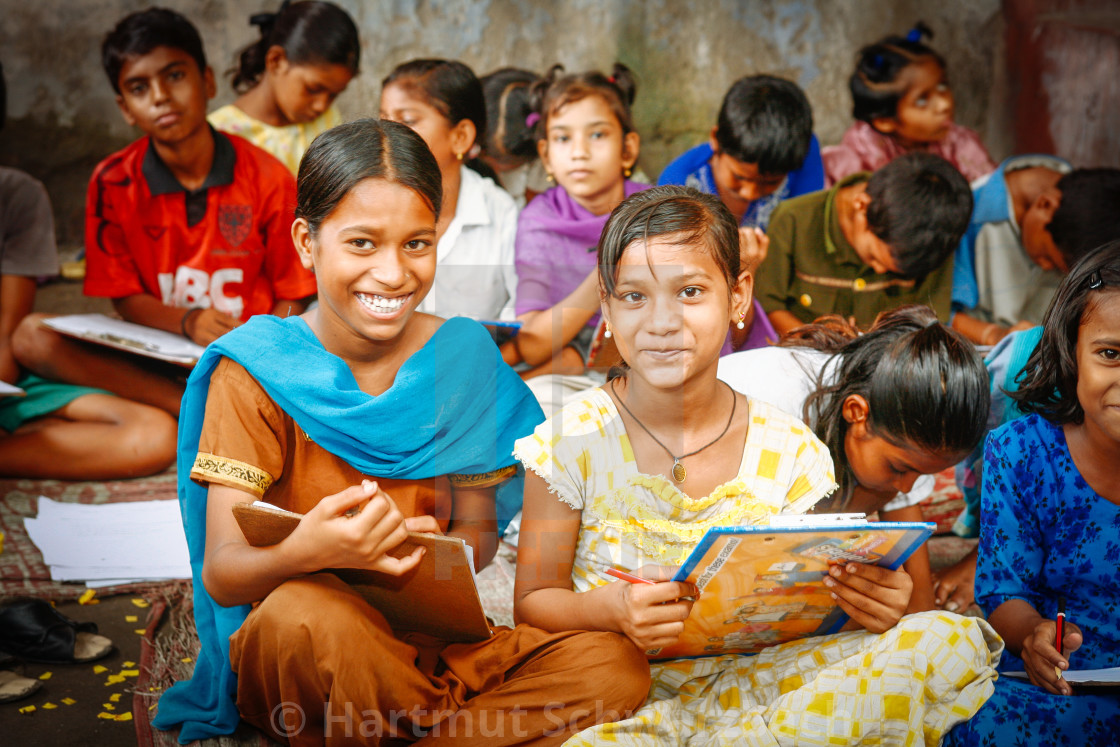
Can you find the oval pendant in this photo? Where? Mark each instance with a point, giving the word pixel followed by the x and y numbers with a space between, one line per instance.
pixel 678 472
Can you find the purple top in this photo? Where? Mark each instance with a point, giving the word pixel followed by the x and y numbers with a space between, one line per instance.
pixel 556 248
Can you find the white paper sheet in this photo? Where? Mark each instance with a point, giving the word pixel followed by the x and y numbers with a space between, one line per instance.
pixel 1109 676
pixel 128 542
pixel 135 338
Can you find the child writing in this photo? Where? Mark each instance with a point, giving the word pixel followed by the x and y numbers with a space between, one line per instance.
pixel 902 102
pixel 289 78
pixel 510 147
pixel 1034 217
pixel 1051 514
pixel 633 473
pixel 442 100
pixel 187 229
pixel 871 243
pixel 371 419
pixel 859 392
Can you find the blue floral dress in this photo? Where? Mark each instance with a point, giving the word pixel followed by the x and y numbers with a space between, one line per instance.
pixel 1045 533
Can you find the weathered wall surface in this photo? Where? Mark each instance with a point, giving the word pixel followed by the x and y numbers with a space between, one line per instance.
pixel 62 117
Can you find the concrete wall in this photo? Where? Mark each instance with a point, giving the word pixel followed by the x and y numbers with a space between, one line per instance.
pixel 62 118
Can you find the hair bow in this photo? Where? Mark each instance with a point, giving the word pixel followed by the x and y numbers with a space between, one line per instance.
pixel 532 119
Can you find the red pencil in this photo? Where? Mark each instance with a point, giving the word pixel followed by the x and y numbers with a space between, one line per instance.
pixel 624 576
pixel 1060 621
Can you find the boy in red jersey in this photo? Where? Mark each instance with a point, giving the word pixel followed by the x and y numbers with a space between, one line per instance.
pixel 187 230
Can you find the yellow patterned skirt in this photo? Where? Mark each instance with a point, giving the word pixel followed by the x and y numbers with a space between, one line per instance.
pixel 907 686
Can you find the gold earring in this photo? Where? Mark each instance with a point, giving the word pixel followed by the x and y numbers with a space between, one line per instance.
pixel 549 177
pixel 607 331
pixel 742 324
pixel 459 156
pixel 626 172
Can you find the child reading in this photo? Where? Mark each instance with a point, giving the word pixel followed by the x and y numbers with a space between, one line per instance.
pixel 902 102
pixel 859 394
pixel 1033 218
pixel 762 151
pixel 289 78
pixel 1051 513
pixel 442 100
pixel 371 419
pixel 633 473
pixel 871 243
pixel 187 229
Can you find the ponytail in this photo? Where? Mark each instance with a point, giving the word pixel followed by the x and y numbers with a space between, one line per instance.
pixel 309 32
pixel 556 89
pixel 874 84
pixel 925 386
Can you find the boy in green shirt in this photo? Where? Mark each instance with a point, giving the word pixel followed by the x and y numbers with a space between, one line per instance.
pixel 871 243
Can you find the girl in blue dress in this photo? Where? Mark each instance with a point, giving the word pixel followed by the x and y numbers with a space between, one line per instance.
pixel 1050 525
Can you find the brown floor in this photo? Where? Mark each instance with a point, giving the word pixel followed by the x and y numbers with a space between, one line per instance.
pixel 79 723
pixel 65 297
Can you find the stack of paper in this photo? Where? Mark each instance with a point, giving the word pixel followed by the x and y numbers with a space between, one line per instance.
pixel 111 543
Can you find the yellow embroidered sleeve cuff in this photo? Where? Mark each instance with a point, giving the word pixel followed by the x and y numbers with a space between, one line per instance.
pixel 485 480
pixel 224 471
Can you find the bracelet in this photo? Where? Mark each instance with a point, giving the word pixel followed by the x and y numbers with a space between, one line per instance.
pixel 183 322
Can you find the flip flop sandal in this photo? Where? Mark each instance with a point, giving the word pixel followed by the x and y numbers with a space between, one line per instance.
pixel 14 687
pixel 33 630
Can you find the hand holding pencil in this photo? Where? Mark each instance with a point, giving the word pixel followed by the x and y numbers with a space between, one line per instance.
pixel 1046 651
pixel 648 607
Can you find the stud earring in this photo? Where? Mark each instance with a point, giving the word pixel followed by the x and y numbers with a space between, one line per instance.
pixel 626 172
pixel 742 324
pixel 459 156
pixel 548 177
pixel 607 331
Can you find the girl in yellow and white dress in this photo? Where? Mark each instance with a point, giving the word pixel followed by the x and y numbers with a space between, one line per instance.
pixel 289 78
pixel 632 474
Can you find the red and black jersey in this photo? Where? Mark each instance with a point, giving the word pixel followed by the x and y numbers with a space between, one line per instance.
pixel 226 245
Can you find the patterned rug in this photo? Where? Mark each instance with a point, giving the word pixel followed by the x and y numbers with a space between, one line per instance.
pixel 22 570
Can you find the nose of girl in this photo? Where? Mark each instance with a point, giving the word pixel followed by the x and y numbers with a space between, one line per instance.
pixel 390 272
pixel 905 483
pixel 665 319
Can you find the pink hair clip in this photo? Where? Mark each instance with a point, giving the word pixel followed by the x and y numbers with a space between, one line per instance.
pixel 532 119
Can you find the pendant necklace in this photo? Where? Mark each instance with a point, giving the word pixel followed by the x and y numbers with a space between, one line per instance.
pixel 678 472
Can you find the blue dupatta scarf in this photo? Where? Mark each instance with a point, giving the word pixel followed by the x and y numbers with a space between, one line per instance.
pixel 454 408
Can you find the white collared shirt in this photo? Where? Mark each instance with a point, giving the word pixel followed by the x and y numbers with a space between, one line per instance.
pixel 475 273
